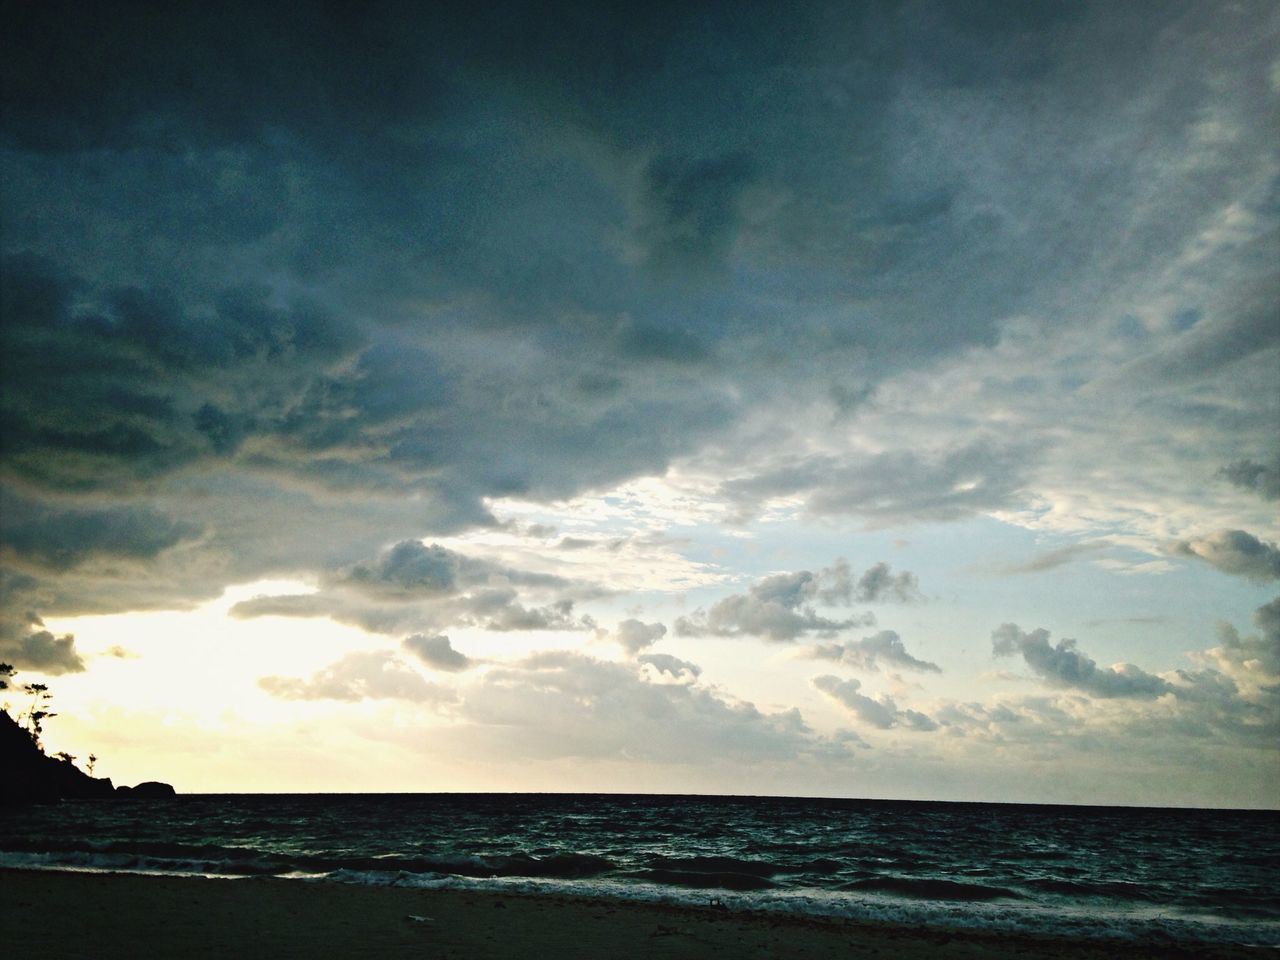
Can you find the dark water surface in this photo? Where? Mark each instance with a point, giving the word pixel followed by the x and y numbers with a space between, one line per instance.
pixel 1184 875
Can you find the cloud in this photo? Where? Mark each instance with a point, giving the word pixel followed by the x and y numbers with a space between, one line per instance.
pixel 1260 478
pixel 750 615
pixel 411 568
pixel 635 636
pixel 563 704
pixel 1253 661
pixel 289 282
pixel 1234 703
pixel 780 607
pixel 415 587
pixel 437 652
pixel 496 609
pixel 994 721
pixel 869 653
pixel 674 666
pixel 899 486
pixel 59 539
pixel 687 212
pixel 363 675
pixel 135 383
pixel 878 583
pixel 1235 552
pixel 1052 559
pixel 508 615
pixel 26 644
pixel 883 713
pixel 1064 665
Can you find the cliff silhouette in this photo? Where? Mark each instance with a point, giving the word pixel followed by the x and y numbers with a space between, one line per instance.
pixel 28 775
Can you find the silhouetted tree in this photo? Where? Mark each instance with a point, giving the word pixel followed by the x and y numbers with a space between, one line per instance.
pixel 35 716
pixel 38 713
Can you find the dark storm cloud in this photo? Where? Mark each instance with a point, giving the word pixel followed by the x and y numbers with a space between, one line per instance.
pixel 688 211
pixel 1235 552
pixel 59 539
pixel 883 713
pixel 109 387
pixel 284 266
pixel 437 652
pixel 1064 665
pixel 1261 478
pixel 883 648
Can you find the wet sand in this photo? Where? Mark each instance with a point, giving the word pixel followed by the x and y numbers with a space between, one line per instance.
pixel 56 915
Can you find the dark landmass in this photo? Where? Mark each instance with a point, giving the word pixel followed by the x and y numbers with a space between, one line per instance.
pixel 28 775
pixel 150 790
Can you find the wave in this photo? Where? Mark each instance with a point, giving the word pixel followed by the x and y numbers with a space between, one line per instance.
pixel 1017 916
pixel 755 894
pixel 715 864
pixel 1098 889
pixel 704 879
pixel 213 860
pixel 931 889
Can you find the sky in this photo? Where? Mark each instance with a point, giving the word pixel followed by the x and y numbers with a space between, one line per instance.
pixel 839 399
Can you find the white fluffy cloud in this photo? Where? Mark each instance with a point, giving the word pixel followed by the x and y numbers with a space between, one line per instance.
pixel 437 652
pixel 360 676
pixel 781 607
pixel 881 713
pixel 1064 665
pixel 870 653
pixel 635 635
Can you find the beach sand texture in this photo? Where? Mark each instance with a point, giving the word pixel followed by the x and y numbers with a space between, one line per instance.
pixel 107 916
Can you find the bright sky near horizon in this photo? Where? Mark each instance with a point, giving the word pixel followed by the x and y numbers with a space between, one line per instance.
pixel 849 399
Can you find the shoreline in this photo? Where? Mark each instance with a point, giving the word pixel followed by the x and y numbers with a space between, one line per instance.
pixel 69 914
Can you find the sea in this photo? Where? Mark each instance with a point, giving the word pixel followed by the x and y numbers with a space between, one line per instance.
pixel 1152 875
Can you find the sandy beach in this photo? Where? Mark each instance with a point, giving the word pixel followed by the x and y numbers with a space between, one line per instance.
pixel 107 916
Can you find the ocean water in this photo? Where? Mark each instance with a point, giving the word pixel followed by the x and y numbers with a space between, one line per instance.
pixel 1183 876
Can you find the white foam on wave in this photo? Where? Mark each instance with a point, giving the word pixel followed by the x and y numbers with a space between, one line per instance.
pixel 1135 925
pixel 84 862
pixel 108 863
